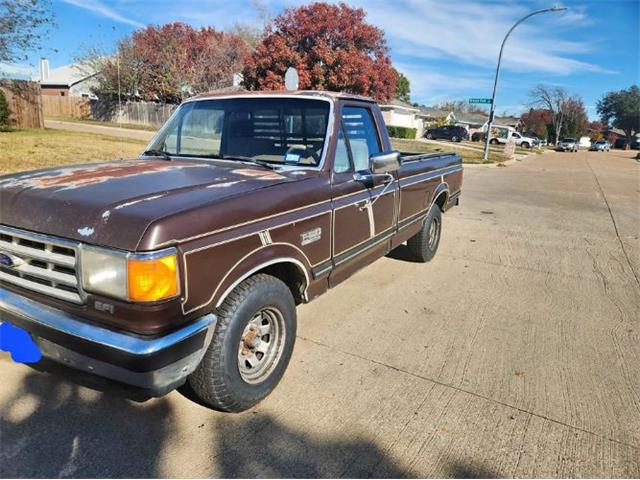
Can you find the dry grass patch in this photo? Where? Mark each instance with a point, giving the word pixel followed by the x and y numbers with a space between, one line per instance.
pixel 33 149
pixel 468 156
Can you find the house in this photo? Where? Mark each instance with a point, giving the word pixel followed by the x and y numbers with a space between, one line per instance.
pixel 473 122
pixel 397 113
pixel 67 81
pixel 431 116
pixel 510 121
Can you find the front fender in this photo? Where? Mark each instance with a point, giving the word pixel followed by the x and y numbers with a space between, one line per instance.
pixel 209 279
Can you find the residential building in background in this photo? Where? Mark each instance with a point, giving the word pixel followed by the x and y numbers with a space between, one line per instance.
pixel 67 81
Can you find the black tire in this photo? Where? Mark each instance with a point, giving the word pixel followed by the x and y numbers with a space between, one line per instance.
pixel 217 381
pixel 525 145
pixel 454 139
pixel 429 136
pixel 493 141
pixel 422 246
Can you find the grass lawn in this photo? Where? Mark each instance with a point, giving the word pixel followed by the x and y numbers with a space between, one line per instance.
pixel 468 156
pixel 89 121
pixel 32 149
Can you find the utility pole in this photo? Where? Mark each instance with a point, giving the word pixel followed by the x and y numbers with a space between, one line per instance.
pixel 495 82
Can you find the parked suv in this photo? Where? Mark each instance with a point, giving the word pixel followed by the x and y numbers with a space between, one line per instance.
pixel 448 132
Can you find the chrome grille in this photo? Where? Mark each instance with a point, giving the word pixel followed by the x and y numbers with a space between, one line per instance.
pixel 44 264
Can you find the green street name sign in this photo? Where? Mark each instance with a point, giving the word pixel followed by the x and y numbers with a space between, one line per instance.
pixel 480 100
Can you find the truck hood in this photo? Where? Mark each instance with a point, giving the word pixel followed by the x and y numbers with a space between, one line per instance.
pixel 112 204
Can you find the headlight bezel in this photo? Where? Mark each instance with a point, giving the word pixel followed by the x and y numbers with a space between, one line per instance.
pixel 121 286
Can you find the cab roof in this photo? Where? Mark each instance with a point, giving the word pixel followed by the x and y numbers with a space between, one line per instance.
pixel 282 93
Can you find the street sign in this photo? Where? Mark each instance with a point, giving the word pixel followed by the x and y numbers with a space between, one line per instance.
pixel 480 100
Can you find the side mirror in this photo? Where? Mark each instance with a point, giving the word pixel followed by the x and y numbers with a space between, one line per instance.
pixel 385 162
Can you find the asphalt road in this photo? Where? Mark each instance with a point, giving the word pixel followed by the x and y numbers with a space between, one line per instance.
pixel 516 352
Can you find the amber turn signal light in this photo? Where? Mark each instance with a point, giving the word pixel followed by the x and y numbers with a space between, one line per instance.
pixel 151 280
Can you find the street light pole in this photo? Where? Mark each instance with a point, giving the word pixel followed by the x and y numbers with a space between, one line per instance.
pixel 495 82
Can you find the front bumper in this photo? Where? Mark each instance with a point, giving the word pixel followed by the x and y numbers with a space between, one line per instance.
pixel 157 364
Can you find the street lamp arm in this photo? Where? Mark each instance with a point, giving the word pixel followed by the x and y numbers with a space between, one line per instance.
pixel 495 81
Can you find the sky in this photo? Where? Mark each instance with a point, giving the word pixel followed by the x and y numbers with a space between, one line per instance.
pixel 447 49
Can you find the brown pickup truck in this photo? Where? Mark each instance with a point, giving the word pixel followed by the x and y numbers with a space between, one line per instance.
pixel 187 263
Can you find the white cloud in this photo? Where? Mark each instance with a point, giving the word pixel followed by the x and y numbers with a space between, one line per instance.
pixel 103 10
pixel 471 33
pixel 435 87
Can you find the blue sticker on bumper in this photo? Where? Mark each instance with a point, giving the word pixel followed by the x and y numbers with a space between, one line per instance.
pixel 19 344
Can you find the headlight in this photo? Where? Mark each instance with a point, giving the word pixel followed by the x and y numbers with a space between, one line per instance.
pixel 139 277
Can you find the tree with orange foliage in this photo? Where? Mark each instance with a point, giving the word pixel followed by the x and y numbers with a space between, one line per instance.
pixel 168 63
pixel 332 48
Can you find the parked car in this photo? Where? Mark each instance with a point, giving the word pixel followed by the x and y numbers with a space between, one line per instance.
pixel 635 144
pixel 567 145
pixel 448 132
pixel 187 264
pixel 600 146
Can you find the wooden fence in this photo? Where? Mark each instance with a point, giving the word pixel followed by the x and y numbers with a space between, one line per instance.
pixel 25 103
pixel 136 113
pixel 72 107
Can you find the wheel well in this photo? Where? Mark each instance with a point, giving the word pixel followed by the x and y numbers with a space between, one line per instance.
pixel 441 200
pixel 292 276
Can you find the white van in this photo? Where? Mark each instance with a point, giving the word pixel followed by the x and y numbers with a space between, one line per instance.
pixel 585 142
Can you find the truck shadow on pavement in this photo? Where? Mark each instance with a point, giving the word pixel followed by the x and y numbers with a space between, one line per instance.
pixel 54 428
pixel 402 252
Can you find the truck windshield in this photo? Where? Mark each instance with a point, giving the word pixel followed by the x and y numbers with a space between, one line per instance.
pixel 288 131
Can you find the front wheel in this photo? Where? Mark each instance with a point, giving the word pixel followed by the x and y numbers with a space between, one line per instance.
pixel 251 346
pixel 424 244
pixel 454 139
pixel 429 136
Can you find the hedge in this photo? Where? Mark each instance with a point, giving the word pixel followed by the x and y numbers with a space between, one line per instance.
pixel 402 132
pixel 4 112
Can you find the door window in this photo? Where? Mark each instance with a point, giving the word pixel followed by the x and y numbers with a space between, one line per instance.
pixel 341 163
pixel 361 134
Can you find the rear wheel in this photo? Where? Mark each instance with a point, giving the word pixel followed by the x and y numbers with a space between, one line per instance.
pixel 424 244
pixel 525 145
pixel 454 139
pixel 251 346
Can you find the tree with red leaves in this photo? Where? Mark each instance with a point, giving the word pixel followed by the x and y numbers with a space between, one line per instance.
pixel 168 63
pixel 332 48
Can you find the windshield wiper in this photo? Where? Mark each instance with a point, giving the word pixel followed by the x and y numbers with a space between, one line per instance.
pixel 241 158
pixel 157 153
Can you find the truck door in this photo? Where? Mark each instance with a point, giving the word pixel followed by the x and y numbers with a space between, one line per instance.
pixel 363 204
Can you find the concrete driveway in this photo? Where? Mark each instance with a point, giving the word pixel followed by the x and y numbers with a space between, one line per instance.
pixel 516 352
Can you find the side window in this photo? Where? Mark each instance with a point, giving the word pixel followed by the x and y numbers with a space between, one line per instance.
pixel 362 135
pixel 341 164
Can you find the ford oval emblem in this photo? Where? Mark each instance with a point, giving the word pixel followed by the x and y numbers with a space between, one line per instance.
pixel 10 261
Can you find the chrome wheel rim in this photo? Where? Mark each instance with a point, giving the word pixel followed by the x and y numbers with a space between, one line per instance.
pixel 261 345
pixel 433 233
